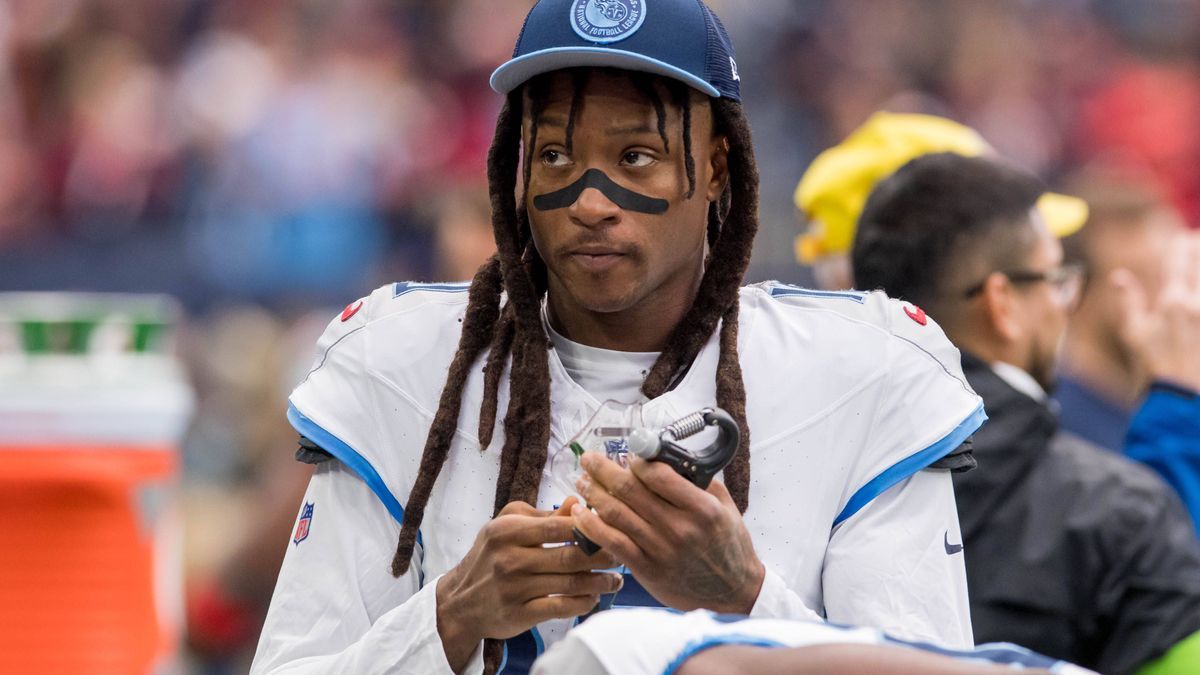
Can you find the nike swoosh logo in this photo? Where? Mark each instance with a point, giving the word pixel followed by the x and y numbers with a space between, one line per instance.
pixel 951 549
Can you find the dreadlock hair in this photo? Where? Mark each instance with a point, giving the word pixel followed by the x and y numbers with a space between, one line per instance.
pixel 515 329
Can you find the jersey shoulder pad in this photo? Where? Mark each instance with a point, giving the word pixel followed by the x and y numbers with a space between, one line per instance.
pixel 450 291
pixel 799 296
pixel 898 318
pixel 408 296
pixel 435 305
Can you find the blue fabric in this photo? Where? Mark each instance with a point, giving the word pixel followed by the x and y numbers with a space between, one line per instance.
pixel 1089 415
pixel 403 287
pixel 1165 435
pixel 520 651
pixel 782 291
pixel 1003 654
pixel 633 594
pixel 911 464
pixel 717 641
pixel 999 653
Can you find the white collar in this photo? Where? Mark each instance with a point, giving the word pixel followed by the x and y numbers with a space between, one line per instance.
pixel 603 373
pixel 1020 380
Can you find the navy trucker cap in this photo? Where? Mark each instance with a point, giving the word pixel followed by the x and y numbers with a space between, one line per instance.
pixel 680 39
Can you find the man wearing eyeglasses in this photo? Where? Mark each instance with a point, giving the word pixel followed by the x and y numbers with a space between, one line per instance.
pixel 1071 550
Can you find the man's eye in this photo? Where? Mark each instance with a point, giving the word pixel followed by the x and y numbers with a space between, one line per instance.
pixel 554 158
pixel 635 158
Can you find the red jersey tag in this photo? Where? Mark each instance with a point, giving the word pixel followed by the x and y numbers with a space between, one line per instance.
pixel 916 314
pixel 351 310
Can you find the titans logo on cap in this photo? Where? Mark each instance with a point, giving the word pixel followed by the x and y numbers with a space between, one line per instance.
pixel 607 20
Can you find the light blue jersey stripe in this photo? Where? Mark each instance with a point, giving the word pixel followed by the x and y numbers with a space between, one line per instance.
pixel 911 464
pixel 783 291
pixel 350 457
pixel 401 287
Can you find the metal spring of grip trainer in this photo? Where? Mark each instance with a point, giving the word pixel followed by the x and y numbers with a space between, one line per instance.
pixel 687 426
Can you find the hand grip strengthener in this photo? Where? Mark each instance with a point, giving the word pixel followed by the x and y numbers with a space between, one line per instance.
pixel 698 466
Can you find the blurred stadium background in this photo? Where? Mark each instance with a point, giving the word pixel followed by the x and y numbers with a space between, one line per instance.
pixel 265 162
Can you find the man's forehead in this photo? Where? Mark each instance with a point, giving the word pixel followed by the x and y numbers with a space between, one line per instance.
pixel 629 107
pixel 625 105
pixel 559 87
pixel 614 125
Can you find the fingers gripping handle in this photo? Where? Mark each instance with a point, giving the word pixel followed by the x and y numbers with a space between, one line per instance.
pixel 698 467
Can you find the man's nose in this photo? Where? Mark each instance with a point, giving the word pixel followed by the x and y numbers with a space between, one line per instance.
pixel 594 209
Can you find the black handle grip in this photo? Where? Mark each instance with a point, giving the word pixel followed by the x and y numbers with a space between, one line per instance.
pixel 698 468
pixel 588 546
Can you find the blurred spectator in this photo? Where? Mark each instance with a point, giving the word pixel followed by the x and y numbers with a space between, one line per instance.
pixel 1071 550
pixel 1135 332
pixel 1132 227
pixel 1165 432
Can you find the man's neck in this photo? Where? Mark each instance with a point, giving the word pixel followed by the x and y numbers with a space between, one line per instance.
pixel 636 329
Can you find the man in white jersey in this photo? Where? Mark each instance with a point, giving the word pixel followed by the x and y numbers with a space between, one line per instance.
pixel 617 277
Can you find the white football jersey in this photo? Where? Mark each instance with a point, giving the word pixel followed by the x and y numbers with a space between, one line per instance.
pixel 849 397
pixel 645 641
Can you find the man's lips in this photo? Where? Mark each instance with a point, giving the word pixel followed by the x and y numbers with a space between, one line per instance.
pixel 595 258
pixel 597 262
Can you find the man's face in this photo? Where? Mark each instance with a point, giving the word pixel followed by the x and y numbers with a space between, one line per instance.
pixel 602 258
pixel 1043 309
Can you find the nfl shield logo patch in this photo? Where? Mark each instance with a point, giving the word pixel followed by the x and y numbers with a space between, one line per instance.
pixel 618 451
pixel 303 526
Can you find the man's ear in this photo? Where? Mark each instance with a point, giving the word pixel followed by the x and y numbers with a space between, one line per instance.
pixel 719 165
pixel 1000 308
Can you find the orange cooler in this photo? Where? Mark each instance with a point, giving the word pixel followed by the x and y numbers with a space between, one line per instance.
pixel 92 409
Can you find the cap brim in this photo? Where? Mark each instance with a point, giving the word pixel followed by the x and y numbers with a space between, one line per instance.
pixel 521 69
pixel 1064 215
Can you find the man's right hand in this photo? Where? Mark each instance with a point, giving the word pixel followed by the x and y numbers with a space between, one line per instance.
pixel 509 581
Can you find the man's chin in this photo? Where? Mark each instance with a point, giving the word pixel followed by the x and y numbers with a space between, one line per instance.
pixel 603 301
pixel 607 305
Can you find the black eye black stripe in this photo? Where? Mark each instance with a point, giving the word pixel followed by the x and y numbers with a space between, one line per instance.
pixel 595 178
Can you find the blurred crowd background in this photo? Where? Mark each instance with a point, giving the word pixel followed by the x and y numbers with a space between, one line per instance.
pixel 268 161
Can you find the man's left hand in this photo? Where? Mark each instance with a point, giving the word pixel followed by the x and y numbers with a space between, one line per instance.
pixel 688 547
